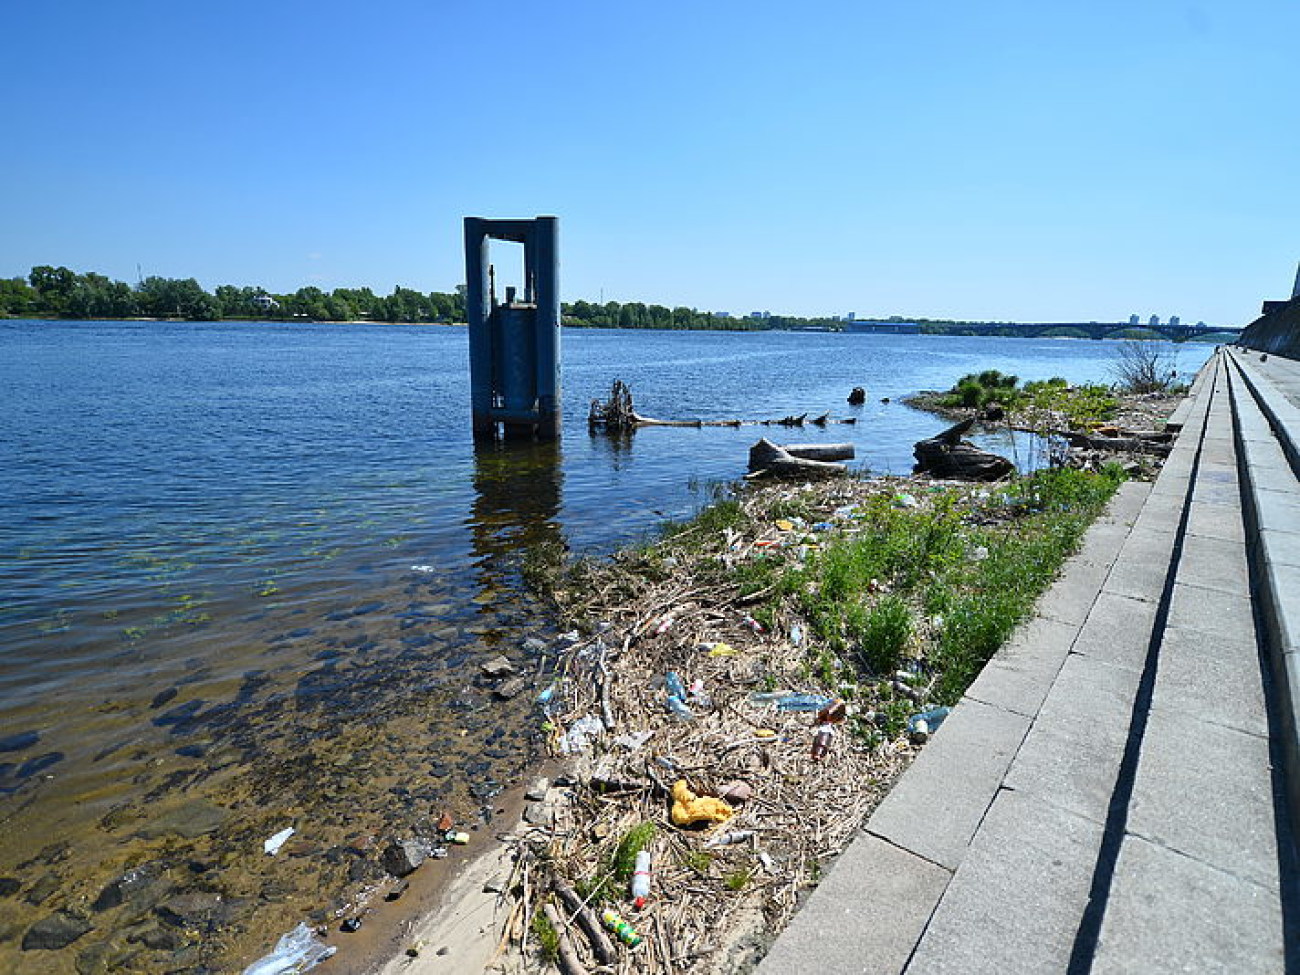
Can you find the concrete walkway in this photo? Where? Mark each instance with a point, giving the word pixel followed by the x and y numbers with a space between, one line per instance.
pixel 1111 793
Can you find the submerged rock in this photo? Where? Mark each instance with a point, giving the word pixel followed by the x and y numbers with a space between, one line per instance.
pixel 40 891
pixel 194 818
pixel 16 743
pixel 404 856
pixel 192 910
pixel 142 886
pixel 56 931
pixel 511 688
pixel 498 666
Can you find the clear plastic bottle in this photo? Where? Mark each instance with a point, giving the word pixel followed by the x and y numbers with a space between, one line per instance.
pixel 802 702
pixel 677 707
pixel 641 879
pixel 674 686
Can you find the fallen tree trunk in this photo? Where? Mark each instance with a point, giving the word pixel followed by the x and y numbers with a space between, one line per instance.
pixel 1134 444
pixel 948 456
pixel 767 459
pixel 819 451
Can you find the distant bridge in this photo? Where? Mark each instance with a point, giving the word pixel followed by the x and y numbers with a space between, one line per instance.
pixel 1093 330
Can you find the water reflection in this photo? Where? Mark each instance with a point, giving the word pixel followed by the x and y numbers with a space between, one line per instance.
pixel 518 489
pixel 616 447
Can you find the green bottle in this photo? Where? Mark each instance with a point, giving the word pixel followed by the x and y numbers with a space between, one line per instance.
pixel 624 931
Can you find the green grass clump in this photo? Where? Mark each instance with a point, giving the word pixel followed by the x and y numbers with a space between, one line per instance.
pixel 883 634
pixel 548 939
pixel 737 879
pixel 633 842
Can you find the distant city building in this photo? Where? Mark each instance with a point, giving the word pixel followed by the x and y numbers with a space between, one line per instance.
pixel 852 315
pixel 1155 321
pixel 1134 321
pixel 722 314
pixel 265 302
pixel 760 314
pixel 1173 321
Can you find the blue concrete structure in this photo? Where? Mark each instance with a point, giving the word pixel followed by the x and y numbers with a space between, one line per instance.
pixel 514 346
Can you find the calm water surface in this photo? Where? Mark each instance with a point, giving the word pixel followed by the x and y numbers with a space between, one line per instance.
pixel 248 572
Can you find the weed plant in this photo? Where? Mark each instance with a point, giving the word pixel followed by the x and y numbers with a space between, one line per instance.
pixel 940 586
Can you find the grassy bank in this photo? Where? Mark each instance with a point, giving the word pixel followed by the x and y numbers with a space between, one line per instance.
pixel 889 595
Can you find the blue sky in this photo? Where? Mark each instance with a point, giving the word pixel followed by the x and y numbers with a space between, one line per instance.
pixel 1009 160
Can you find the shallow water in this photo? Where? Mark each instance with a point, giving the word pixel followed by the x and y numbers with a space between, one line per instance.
pixel 249 571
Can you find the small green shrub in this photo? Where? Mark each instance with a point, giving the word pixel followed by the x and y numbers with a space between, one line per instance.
pixel 884 634
pixel 633 842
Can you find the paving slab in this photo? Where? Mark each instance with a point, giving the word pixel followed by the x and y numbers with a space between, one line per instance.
pixel 1102 542
pixel 1221 680
pixel 1071 755
pixel 1161 514
pixel 1015 903
pixel 1282 607
pixel 938 803
pixel 1279 547
pixel 1069 599
pixel 866 915
pixel 1219 450
pixel 1216 521
pixel 1021 673
pixel 1270 471
pixel 1170 913
pixel 1216 484
pixel 1231 823
pixel 1127 502
pixel 1118 630
pixel 1140 570
pixel 1276 510
pixel 1214 564
pixel 1213 612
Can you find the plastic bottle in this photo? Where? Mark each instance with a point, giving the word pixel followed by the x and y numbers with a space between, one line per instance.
pixel 622 930
pixel 822 741
pixel 801 702
pixel 927 722
pixel 699 696
pixel 641 879
pixel 732 838
pixel 677 707
pixel 674 686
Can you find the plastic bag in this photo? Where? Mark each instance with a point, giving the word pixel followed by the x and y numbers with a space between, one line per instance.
pixel 296 951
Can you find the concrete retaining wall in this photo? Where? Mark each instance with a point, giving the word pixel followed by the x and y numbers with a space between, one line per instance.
pixel 1277 331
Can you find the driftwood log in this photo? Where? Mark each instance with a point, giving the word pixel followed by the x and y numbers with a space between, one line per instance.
pixel 567 957
pixel 601 946
pixel 948 456
pixel 1137 443
pixel 767 459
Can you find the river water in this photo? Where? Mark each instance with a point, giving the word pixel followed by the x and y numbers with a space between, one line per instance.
pixel 248 573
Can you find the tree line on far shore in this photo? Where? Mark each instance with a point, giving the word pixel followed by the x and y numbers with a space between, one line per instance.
pixel 58 292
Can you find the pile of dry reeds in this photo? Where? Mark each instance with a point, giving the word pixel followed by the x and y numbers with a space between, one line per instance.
pixel 672 609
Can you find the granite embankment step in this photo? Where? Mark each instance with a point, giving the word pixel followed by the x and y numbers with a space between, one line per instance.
pixel 1267 400
pixel 1106 797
